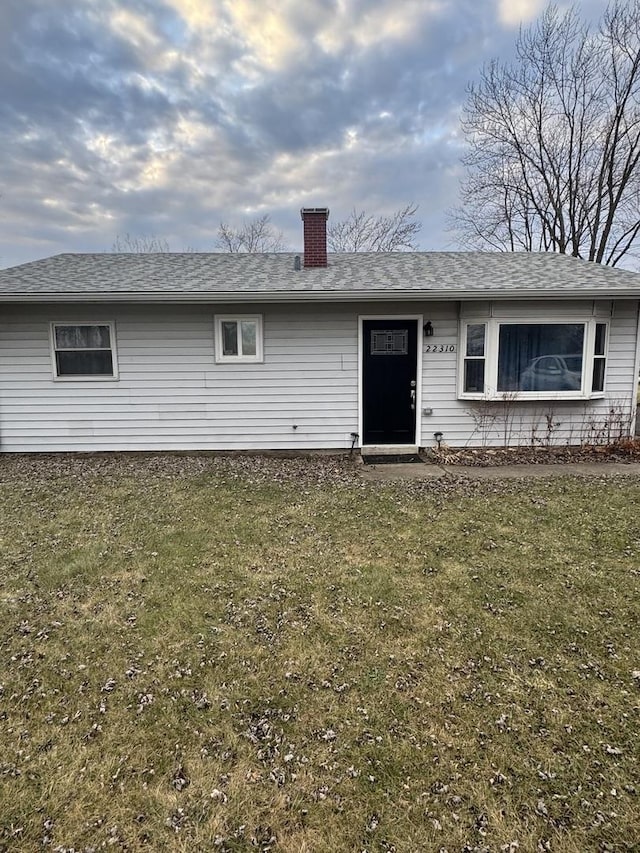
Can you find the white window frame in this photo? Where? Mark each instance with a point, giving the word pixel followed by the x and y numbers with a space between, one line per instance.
pixel 85 377
pixel 492 337
pixel 221 358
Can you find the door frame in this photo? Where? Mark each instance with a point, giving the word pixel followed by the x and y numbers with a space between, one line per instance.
pixel 419 344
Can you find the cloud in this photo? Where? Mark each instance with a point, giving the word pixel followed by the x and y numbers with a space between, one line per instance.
pixel 512 13
pixel 168 116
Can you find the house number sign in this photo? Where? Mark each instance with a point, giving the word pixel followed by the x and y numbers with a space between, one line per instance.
pixel 433 348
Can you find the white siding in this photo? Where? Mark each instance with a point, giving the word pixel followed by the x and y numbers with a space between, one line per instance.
pixel 473 423
pixel 172 395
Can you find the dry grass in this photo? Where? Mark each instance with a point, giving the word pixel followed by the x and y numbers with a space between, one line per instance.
pixel 236 655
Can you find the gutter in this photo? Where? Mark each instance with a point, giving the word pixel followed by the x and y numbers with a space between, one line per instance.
pixel 312 296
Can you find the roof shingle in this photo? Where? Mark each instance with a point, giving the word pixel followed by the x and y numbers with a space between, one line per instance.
pixel 429 274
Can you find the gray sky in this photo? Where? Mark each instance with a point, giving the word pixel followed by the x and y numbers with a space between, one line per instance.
pixel 165 117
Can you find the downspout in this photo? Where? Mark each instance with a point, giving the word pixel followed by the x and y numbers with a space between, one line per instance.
pixel 634 379
pixel 1 389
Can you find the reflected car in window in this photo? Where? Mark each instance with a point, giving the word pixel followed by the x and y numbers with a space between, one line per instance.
pixel 552 373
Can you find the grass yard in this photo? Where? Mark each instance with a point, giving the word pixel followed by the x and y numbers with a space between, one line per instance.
pixel 209 654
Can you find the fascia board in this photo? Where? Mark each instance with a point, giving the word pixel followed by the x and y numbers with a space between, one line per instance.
pixel 236 297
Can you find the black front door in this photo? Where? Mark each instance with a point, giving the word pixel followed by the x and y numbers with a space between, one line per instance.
pixel 389 390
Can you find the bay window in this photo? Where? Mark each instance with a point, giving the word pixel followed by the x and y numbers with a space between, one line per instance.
pixel 533 359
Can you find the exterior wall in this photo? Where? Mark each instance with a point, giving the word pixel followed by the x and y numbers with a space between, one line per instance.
pixel 496 423
pixel 171 395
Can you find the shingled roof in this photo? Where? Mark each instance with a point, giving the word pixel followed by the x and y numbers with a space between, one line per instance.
pixel 198 276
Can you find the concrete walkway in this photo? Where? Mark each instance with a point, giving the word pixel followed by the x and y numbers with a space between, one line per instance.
pixel 427 471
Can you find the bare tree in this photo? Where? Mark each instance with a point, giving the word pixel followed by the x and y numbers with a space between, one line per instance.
pixel 144 244
pixel 363 232
pixel 141 244
pixel 553 160
pixel 256 236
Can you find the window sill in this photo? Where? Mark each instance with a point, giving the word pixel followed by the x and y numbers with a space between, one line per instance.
pixel 239 359
pixel 532 396
pixel 89 378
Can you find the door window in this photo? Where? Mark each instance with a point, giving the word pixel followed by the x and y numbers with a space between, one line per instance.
pixel 389 341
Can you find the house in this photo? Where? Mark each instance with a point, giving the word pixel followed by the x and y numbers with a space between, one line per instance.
pixel 231 351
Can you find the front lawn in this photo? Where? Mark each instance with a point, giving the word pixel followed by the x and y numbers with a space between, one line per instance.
pixel 203 653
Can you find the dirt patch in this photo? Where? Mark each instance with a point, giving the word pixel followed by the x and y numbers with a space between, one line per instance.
pixel 626 451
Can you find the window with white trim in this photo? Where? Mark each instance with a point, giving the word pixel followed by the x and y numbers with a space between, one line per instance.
pixel 84 351
pixel 474 359
pixel 537 360
pixel 238 338
pixel 599 357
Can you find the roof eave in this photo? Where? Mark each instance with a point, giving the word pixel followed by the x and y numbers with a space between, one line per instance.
pixel 241 297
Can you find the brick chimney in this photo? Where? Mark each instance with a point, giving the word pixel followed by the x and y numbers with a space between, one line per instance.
pixel 315 236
